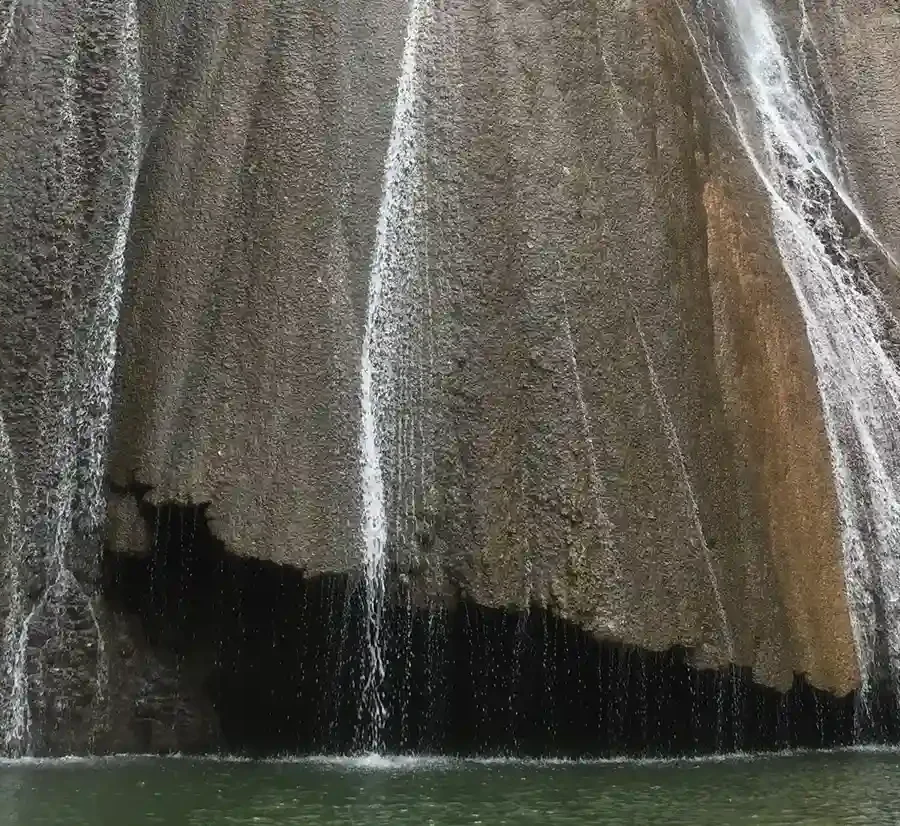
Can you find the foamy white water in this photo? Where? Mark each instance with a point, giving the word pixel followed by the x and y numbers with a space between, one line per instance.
pixel 8 22
pixel 848 323
pixel 11 540
pixel 395 264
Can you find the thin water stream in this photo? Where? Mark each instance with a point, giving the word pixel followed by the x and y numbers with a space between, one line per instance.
pixel 59 506
pixel 386 350
pixel 850 327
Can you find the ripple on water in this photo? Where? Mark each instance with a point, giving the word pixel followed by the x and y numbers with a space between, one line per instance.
pixel 853 787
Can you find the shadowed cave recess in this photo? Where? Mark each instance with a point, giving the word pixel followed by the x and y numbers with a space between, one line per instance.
pixel 280 654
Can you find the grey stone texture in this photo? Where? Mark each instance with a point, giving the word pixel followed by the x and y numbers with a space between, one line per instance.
pixel 622 407
pixel 619 415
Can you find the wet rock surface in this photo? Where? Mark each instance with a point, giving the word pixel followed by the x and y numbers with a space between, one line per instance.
pixel 112 693
pixel 588 443
pixel 610 404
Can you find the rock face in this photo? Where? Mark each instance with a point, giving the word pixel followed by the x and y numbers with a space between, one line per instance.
pixel 620 407
pixel 608 403
pixel 74 676
pixel 250 247
pixel 859 51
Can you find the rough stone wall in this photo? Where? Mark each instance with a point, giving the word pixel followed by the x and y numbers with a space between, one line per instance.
pixel 606 455
pixel 251 242
pixel 859 46
pixel 66 133
pixel 772 407
pixel 624 412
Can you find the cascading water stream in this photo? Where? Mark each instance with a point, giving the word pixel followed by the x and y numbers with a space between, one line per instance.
pixel 6 27
pixel 11 539
pixel 852 332
pixel 395 264
pixel 61 521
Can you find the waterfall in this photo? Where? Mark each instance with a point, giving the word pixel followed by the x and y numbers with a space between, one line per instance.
pixel 10 541
pixel 55 536
pixel 7 25
pixel 386 346
pixel 852 332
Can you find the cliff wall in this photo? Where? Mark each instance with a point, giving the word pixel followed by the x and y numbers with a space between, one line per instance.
pixel 611 408
pixel 595 389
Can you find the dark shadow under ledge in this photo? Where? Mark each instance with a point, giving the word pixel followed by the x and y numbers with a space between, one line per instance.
pixel 280 658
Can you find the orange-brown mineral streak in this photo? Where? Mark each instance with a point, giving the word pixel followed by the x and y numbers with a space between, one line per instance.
pixel 761 341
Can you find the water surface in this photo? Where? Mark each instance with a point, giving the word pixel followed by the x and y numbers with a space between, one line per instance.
pixel 829 789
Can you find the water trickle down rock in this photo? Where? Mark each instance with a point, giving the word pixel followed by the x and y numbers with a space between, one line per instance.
pixel 392 373
pixel 849 324
pixel 54 651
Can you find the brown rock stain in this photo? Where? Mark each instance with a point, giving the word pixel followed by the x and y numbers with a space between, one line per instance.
pixel 768 378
